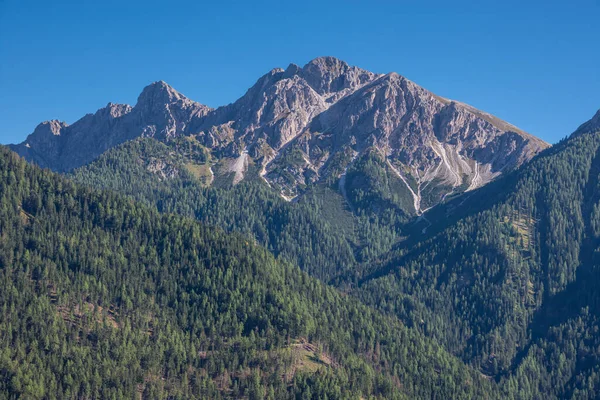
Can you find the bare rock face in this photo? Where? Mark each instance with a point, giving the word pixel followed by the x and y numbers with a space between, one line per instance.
pixel 160 112
pixel 281 105
pixel 306 124
pixel 333 78
pixel 165 112
pixel 46 136
pixel 432 144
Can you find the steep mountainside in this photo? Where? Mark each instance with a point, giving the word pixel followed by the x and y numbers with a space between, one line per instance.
pixel 104 298
pixel 160 112
pixel 507 276
pixel 319 233
pixel 309 124
pixel 173 179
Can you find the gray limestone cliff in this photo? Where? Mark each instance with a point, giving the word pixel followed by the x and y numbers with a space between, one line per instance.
pixel 298 123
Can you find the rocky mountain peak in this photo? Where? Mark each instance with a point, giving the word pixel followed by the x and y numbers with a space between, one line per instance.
pixel 304 125
pixel 43 144
pixel 160 112
pixel 114 110
pixel 291 70
pixel 324 65
pixel 49 128
pixel 163 112
pixel 159 93
pixel 328 75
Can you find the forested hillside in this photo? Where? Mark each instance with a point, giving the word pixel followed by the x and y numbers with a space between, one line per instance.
pixel 506 277
pixel 322 233
pixel 106 298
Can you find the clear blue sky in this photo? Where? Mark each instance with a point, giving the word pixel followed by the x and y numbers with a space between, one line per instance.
pixel 535 65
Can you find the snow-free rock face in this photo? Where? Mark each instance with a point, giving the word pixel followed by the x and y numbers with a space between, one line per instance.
pixel 160 112
pixel 432 144
pixel 280 106
pixel 306 124
pixel 46 137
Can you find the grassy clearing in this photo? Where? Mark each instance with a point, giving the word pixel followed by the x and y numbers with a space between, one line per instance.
pixel 202 172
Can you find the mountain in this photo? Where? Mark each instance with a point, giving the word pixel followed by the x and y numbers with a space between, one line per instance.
pixel 160 112
pixel 173 179
pixel 461 253
pixel 506 277
pixel 105 298
pixel 307 125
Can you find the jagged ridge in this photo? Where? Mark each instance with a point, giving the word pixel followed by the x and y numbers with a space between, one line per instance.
pixel 311 115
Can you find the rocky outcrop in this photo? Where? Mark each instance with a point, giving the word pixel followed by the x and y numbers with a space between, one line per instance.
pixel 46 138
pixel 306 124
pixel 281 105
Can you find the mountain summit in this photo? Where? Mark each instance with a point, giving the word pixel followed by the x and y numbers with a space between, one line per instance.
pixel 160 112
pixel 304 125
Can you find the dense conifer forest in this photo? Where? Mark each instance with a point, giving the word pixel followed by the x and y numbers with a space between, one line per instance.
pixel 506 278
pixel 106 298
